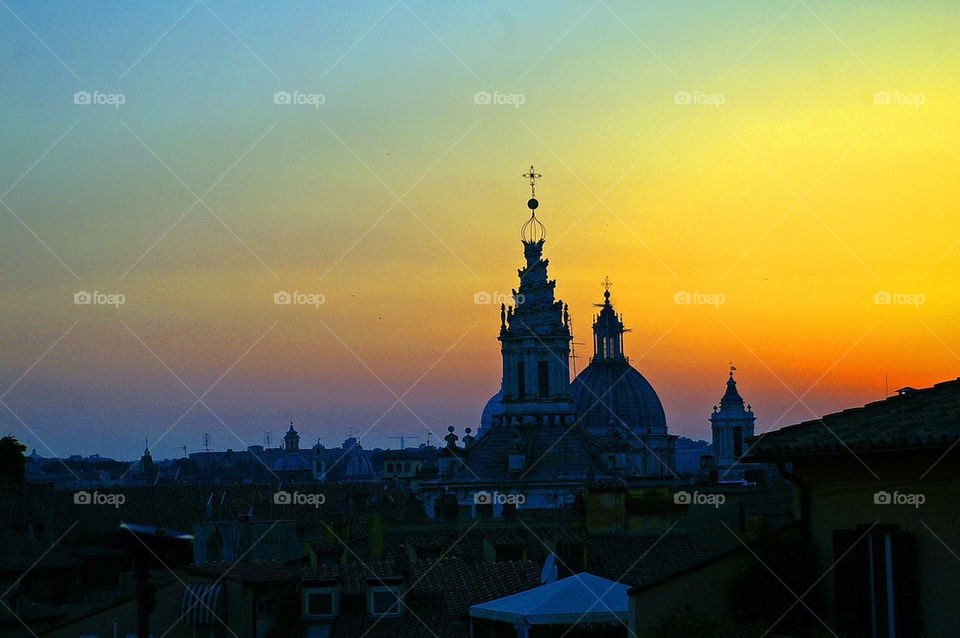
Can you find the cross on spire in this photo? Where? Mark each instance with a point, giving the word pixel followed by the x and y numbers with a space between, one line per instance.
pixel 533 176
pixel 606 283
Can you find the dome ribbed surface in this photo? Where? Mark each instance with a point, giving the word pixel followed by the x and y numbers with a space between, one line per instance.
pixel 616 386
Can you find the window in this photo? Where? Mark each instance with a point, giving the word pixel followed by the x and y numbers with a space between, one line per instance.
pixel 521 386
pixel 737 442
pixel 266 606
pixel 543 378
pixel 384 600
pixel 321 602
pixel 406 467
pixel 875 582
pixel 390 468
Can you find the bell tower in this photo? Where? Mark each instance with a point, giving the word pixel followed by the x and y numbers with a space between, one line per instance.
pixel 535 337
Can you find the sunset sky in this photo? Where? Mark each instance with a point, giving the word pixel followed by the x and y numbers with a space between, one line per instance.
pixel 787 188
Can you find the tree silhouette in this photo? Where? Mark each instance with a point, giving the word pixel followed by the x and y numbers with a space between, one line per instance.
pixel 12 460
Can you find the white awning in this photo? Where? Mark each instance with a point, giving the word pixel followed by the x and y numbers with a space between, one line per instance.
pixel 581 598
pixel 202 603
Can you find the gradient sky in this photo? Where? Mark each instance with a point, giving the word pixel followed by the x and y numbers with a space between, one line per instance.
pixel 797 199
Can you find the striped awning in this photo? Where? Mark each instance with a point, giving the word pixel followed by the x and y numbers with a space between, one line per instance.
pixel 202 603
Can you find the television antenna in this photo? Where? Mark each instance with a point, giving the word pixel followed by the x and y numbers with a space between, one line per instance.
pixel 402 437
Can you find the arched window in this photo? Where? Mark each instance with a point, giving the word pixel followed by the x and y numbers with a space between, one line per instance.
pixel 390 467
pixel 406 467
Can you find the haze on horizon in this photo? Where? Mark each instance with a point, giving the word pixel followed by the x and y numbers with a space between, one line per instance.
pixel 686 147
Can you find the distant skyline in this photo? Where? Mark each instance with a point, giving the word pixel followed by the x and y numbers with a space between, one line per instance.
pixel 798 161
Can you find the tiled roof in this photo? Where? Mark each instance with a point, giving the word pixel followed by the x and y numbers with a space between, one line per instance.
pixel 178 507
pixel 917 418
pixel 262 572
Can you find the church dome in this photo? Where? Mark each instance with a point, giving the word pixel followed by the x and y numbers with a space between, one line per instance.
pixel 291 462
pixel 615 391
pixel 493 407
pixel 610 390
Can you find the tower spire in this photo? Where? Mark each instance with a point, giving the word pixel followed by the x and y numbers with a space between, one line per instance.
pixel 533 231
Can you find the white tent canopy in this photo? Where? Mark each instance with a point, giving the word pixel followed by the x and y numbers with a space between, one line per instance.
pixel 581 598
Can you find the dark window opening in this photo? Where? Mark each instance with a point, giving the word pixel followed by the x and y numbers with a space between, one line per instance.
pixel 543 377
pixel 521 386
pixel 737 442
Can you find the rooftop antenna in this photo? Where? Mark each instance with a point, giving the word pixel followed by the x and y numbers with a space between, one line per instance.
pixel 206 441
pixel 886 387
pixel 402 437
pixel 184 448
pixel 266 439
pixel 573 350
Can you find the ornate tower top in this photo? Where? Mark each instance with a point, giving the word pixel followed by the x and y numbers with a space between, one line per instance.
pixel 533 231
pixel 607 329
